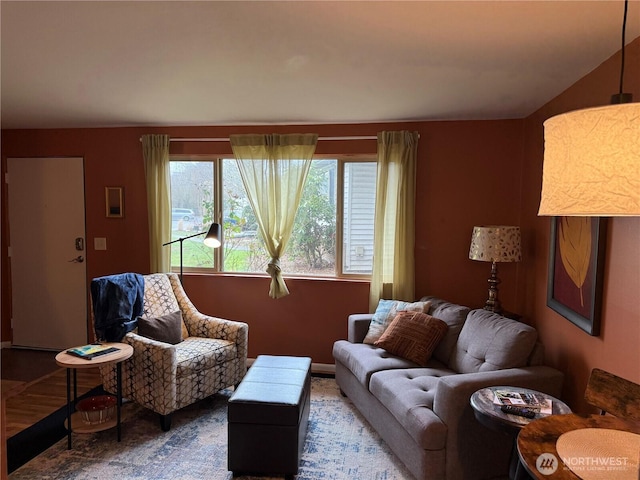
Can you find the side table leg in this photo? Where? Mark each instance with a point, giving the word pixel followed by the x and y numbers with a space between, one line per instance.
pixel 75 386
pixel 68 409
pixel 516 470
pixel 119 392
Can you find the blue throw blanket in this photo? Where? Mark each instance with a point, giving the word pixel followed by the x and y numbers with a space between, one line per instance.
pixel 117 303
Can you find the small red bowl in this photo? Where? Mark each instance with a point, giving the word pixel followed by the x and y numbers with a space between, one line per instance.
pixel 96 410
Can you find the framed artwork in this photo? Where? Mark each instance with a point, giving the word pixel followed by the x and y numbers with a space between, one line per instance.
pixel 576 269
pixel 115 202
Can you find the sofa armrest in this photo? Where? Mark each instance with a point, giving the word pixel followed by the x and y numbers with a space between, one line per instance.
pixel 454 391
pixel 476 451
pixel 358 326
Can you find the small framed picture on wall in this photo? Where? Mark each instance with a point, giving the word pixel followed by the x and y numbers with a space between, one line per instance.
pixel 114 201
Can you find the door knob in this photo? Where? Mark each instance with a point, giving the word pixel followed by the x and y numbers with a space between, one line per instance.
pixel 78 259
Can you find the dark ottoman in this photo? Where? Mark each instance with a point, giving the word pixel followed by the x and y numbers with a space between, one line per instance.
pixel 268 415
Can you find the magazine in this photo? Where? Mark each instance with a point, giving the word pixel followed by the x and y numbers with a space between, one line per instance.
pixel 534 401
pixel 90 351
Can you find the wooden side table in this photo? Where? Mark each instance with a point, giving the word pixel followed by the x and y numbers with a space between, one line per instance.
pixel 490 415
pixel 71 362
pixel 539 440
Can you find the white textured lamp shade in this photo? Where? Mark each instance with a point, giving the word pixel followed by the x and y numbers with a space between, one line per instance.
pixel 592 162
pixel 495 243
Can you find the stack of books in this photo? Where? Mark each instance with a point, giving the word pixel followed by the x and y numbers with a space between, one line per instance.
pixel 91 351
pixel 534 401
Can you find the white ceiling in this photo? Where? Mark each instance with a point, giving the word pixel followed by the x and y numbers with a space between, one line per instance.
pixel 122 63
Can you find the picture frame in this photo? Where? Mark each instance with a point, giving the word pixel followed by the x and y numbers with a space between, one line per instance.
pixel 114 201
pixel 576 270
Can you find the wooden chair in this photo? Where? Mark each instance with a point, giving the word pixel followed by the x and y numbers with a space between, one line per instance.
pixel 614 395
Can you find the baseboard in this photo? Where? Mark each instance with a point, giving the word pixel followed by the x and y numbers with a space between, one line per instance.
pixel 5 344
pixel 318 368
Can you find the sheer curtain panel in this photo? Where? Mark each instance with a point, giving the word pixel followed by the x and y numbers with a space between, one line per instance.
pixel 155 150
pixel 393 274
pixel 273 169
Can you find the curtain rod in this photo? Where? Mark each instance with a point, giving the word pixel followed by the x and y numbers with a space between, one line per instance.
pixel 226 139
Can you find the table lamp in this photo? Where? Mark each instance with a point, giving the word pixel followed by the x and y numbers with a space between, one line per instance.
pixel 212 239
pixel 495 243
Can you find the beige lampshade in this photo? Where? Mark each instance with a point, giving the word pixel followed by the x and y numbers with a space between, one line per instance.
pixel 592 162
pixel 495 243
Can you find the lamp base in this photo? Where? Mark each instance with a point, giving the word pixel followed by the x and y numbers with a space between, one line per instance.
pixel 493 304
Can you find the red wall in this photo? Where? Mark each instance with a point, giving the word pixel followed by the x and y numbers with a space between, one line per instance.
pixel 467 174
pixel 569 348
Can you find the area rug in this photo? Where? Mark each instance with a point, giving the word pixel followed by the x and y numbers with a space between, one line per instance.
pixel 340 445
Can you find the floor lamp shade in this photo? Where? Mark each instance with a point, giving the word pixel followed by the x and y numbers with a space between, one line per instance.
pixel 214 236
pixel 592 162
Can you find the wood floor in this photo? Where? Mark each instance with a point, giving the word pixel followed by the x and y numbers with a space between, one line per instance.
pixel 41 396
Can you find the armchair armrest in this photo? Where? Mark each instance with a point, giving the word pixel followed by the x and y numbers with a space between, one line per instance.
pixel 201 325
pixel 358 326
pixel 156 363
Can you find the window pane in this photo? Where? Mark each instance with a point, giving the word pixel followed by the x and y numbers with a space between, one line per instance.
pixel 359 207
pixel 312 247
pixel 243 249
pixel 191 212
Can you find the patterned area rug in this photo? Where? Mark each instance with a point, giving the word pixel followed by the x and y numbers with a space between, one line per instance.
pixel 340 445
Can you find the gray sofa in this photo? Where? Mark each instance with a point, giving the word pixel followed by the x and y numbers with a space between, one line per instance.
pixel 423 413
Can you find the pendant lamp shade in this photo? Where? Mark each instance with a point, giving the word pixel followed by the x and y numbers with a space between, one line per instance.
pixel 592 162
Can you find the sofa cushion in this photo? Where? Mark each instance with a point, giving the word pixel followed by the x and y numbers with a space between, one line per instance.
pixel 386 312
pixel 363 360
pixel 489 341
pixel 454 316
pixel 413 335
pixel 414 408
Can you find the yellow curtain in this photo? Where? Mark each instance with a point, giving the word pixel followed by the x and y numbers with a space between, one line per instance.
pixel 273 170
pixel 393 275
pixel 155 150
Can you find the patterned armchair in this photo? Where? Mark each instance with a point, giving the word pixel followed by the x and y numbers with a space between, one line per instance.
pixel 165 377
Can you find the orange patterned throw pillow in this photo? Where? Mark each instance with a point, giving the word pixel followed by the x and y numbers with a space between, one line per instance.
pixel 413 335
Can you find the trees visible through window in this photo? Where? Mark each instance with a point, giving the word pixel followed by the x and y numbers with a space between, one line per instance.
pixel 333 230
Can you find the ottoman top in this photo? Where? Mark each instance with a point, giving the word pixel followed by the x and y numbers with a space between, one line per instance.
pixel 273 391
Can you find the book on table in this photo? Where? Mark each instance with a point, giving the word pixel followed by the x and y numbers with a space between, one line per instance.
pixel 531 400
pixel 91 351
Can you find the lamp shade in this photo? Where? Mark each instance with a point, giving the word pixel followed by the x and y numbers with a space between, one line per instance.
pixel 495 243
pixel 213 237
pixel 592 162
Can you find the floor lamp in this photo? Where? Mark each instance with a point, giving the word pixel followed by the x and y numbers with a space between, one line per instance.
pixel 212 239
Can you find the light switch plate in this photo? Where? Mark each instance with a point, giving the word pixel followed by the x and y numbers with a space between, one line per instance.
pixel 100 243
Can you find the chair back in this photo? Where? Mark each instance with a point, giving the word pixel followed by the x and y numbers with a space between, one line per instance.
pixel 159 297
pixel 613 394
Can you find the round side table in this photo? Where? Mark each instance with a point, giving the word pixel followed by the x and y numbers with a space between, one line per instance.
pixel 490 415
pixel 72 362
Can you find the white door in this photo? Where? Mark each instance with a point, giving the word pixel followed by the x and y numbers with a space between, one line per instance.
pixel 47 250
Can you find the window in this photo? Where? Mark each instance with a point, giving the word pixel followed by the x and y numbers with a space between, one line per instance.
pixel 335 215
